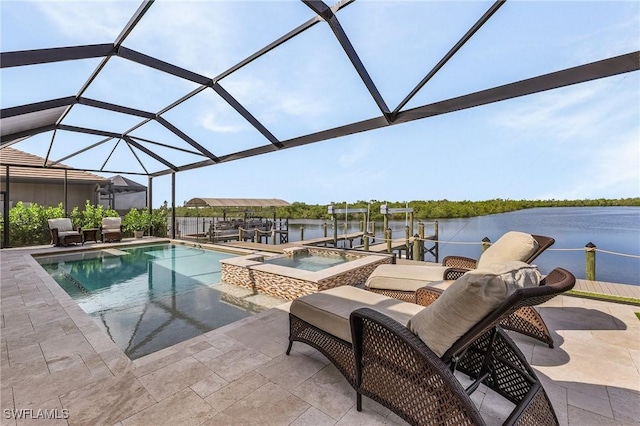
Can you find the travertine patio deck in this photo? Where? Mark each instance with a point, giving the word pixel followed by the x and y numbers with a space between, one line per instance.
pixel 55 357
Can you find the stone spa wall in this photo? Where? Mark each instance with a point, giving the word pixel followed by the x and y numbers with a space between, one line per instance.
pixel 290 283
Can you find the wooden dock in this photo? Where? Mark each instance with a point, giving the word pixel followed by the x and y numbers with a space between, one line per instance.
pixel 602 287
pixel 321 241
pixel 329 240
pixel 398 245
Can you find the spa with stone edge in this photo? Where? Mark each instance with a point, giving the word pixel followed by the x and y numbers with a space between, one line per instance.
pixel 300 270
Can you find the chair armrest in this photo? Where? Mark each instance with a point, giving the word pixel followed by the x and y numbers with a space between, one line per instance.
pixel 454 273
pixel 395 368
pixel 459 262
pixel 427 295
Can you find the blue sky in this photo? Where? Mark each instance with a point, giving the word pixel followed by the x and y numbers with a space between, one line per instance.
pixel 581 141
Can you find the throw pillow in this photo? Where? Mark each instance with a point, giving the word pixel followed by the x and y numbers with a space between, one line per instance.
pixel 468 300
pixel 513 245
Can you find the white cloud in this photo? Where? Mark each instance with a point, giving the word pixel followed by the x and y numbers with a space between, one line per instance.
pixel 355 155
pixel 563 113
pixel 614 170
pixel 212 121
pixel 292 98
pixel 100 19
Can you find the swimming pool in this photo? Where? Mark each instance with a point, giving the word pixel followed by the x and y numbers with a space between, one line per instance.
pixel 148 297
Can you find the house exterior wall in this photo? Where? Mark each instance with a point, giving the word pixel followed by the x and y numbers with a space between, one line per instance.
pixel 128 201
pixel 51 194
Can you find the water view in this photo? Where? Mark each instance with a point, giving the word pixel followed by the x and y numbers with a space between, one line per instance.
pixel 611 229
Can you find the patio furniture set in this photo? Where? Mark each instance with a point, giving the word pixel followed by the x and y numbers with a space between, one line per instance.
pixel 411 335
pixel 409 352
pixel 63 234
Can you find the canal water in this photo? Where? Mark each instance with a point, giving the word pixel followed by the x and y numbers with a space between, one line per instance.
pixel 614 230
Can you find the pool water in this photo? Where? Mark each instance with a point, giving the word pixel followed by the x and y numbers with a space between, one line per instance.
pixel 147 298
pixel 307 262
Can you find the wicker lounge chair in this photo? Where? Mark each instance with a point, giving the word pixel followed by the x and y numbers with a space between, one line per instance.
pixel 62 232
pixel 111 229
pixel 382 359
pixel 402 281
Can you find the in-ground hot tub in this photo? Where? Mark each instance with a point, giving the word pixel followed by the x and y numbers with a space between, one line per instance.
pixel 300 270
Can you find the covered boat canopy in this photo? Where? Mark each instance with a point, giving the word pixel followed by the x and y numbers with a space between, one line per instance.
pixel 236 202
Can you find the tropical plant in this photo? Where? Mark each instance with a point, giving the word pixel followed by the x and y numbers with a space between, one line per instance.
pixel 159 224
pixel 136 220
pixel 91 216
pixel 28 225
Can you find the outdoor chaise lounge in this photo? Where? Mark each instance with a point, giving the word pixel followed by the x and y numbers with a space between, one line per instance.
pixel 62 232
pixel 404 356
pixel 111 229
pixel 402 281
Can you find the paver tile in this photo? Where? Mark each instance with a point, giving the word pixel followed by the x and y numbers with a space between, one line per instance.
pixel 107 401
pixel 174 377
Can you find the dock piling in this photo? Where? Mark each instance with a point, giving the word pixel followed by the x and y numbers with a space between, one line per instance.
pixel 416 247
pixel 407 236
pixel 387 237
pixel 590 261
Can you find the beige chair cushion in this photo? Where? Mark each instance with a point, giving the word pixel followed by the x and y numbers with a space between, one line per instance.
pixel 468 300
pixel 67 233
pixel 404 277
pixel 111 223
pixel 513 245
pixel 329 310
pixel 63 224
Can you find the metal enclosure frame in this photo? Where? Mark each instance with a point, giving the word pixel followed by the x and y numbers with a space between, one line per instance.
pixel 21 122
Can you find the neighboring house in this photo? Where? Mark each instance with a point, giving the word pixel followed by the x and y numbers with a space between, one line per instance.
pixel 45 186
pixel 123 194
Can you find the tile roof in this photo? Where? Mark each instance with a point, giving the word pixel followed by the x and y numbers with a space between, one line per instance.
pixel 12 156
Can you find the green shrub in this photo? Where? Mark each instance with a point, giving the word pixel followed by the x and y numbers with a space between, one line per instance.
pixel 91 216
pixel 159 222
pixel 28 225
pixel 154 223
pixel 136 220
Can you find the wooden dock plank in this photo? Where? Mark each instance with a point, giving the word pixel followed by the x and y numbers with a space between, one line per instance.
pixel 395 245
pixel 614 289
pixel 324 240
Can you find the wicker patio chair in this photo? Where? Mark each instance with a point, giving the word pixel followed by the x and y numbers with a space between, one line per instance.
pixel 526 321
pixel 62 232
pixel 385 361
pixel 111 229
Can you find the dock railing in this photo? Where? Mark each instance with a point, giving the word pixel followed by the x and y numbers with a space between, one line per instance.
pixel 590 250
